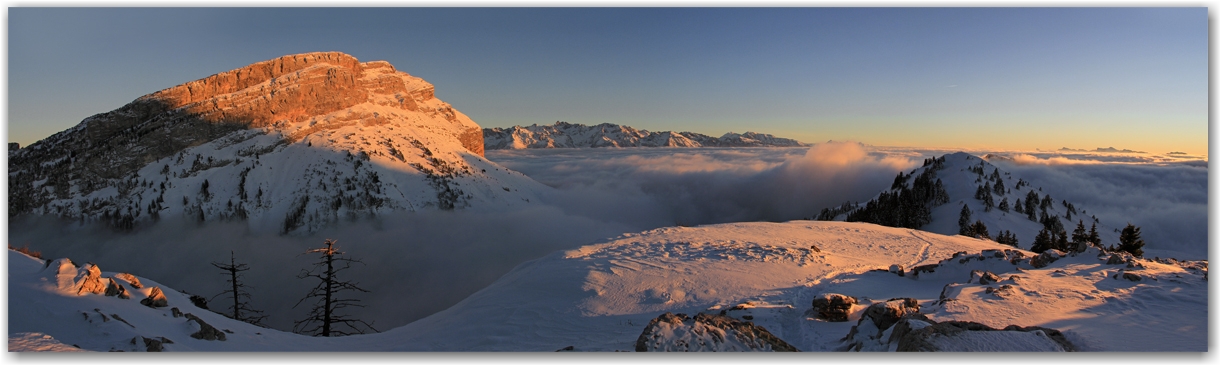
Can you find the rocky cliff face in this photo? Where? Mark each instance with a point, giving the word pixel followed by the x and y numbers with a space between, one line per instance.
pixel 321 113
pixel 568 135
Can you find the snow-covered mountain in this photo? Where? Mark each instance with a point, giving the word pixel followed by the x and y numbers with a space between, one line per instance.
pixel 931 198
pixel 290 144
pixel 568 135
pixel 956 293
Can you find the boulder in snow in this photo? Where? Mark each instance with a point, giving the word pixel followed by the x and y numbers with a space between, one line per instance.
pixel 114 289
pixel 89 280
pixel 833 307
pixel 898 269
pixel 706 332
pixel 971 336
pixel 155 298
pixel 983 277
pixel 1045 258
pixel 206 331
pixel 130 279
pixel 886 313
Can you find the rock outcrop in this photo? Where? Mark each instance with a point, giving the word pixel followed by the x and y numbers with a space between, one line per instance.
pixel 363 138
pixel 833 307
pixel 706 332
pixel 155 299
pixel 206 331
pixel 970 336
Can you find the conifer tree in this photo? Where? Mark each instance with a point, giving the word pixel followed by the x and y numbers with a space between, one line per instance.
pixel 1042 242
pixel 999 187
pixel 1018 207
pixel 1093 237
pixel 1080 237
pixel 1004 204
pixel 325 318
pixel 963 222
pixel 1007 238
pixel 1129 240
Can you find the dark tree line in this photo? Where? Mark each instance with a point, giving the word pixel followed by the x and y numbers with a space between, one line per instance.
pixel 903 206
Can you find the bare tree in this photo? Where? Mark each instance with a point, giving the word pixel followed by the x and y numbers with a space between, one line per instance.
pixel 241 310
pixel 323 318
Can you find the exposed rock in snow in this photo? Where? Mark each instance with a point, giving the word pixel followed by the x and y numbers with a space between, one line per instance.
pixel 568 135
pixel 206 331
pixel 290 144
pixel 706 333
pixel 130 279
pixel 155 299
pixel 113 289
pixel 600 297
pixel 1045 258
pixel 833 307
pixel 970 336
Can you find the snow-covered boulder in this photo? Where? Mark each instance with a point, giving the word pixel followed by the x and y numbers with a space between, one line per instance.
pixel 971 336
pixel 155 298
pixel 886 313
pixel 706 333
pixel 130 279
pixel 1045 258
pixel 833 307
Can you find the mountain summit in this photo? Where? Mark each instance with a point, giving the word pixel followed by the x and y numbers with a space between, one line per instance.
pixel 569 135
pixel 291 143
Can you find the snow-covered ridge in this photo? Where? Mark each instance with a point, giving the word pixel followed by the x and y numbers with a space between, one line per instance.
pixel 568 135
pixel 601 297
pixel 955 181
pixel 294 143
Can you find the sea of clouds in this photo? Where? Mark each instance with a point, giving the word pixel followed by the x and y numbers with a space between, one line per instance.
pixel 416 264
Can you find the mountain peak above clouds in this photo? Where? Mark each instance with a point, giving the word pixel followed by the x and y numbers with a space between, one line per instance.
pixel 291 143
pixel 570 135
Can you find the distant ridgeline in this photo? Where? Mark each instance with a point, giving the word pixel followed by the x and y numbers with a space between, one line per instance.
pixel 920 200
pixel 568 135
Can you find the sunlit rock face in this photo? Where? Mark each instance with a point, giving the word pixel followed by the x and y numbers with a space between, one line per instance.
pixel 289 143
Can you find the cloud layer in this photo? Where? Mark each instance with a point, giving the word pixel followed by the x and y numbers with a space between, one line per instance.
pixel 421 263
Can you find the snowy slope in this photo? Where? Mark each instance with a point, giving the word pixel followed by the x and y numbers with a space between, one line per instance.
pixel 568 135
pixel 291 144
pixel 600 297
pixel 961 183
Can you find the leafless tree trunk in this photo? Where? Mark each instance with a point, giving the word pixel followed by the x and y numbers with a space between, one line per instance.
pixel 324 317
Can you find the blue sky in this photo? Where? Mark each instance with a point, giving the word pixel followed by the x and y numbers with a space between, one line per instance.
pixel 1001 78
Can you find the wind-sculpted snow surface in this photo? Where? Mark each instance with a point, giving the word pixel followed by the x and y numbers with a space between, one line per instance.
pixel 601 297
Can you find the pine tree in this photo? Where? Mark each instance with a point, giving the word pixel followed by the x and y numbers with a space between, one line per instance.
pixel 979 230
pixel 1080 238
pixel 1129 240
pixel 999 187
pixel 1042 242
pixel 324 316
pixel 1093 237
pixel 1007 238
pixel 1031 205
pixel 1018 207
pixel 963 222
pixel 1004 204
pixel 241 309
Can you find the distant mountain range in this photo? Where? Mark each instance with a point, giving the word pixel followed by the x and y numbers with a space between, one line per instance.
pixel 569 135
